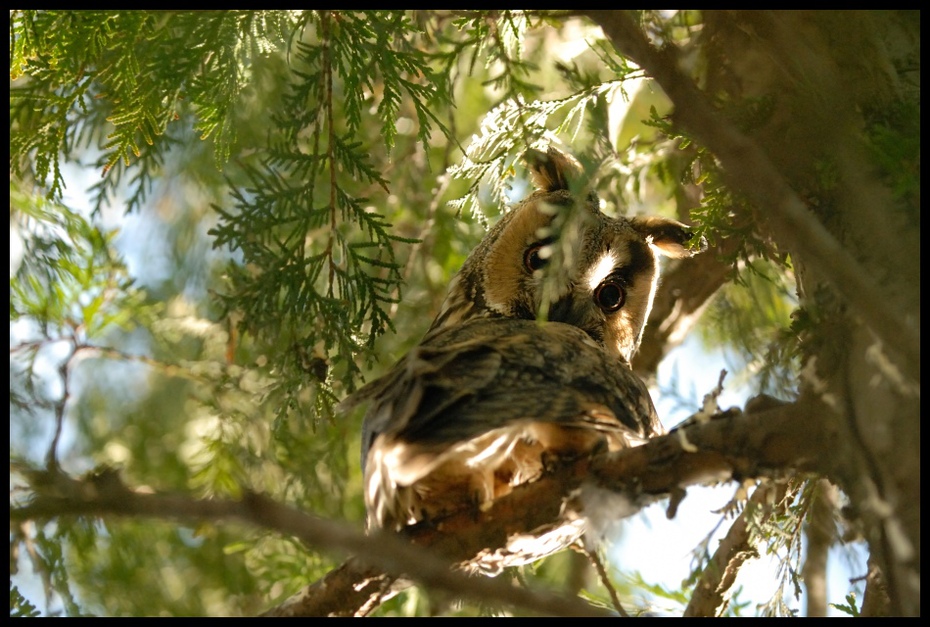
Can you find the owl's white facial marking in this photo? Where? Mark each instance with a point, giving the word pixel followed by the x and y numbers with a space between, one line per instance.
pixel 601 269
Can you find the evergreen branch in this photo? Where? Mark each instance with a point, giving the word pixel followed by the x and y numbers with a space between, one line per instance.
pixel 20 607
pixel 490 156
pixel 347 153
pixel 123 71
pixel 327 78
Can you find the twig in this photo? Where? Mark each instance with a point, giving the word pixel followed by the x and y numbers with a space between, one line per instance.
pixel 820 534
pixel 712 591
pixel 605 580
pixel 64 371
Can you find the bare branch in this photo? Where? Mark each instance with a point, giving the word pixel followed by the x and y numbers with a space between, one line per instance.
pixel 820 535
pixel 875 601
pixel 733 445
pixel 683 293
pixel 712 592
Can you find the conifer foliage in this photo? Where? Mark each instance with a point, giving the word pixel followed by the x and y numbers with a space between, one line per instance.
pixel 222 222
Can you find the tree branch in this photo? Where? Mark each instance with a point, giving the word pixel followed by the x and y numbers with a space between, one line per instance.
pixel 820 533
pixel 875 601
pixel 105 494
pixel 683 293
pixel 750 169
pixel 712 591
pixel 733 445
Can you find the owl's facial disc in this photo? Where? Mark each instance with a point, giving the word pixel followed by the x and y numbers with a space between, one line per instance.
pixel 609 294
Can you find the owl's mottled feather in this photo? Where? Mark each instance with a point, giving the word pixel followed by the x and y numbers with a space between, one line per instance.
pixel 527 362
pixel 477 408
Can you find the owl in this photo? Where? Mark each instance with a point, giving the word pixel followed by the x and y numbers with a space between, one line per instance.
pixel 528 360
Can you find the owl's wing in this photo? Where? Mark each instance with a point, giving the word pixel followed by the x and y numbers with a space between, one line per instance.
pixel 485 405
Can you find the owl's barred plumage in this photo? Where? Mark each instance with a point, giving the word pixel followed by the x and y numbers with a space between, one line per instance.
pixel 527 361
pixel 435 420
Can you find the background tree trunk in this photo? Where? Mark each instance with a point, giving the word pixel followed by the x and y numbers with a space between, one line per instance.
pixel 831 79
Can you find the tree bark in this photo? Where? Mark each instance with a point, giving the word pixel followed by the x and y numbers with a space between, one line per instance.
pixel 854 242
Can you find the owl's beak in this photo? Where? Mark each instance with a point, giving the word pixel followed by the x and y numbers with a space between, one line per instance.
pixel 570 310
pixel 577 310
pixel 561 310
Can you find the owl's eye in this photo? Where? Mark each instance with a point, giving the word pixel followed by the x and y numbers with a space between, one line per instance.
pixel 610 296
pixel 533 258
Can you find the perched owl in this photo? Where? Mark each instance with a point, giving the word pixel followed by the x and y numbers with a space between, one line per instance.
pixel 528 360
pixel 482 406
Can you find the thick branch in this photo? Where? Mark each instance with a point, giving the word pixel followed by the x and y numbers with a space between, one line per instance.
pixel 105 494
pixel 748 167
pixel 734 445
pixel 875 601
pixel 820 536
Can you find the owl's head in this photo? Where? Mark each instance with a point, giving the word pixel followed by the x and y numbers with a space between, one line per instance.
pixel 557 257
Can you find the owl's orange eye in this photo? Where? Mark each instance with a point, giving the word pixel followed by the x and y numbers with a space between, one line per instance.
pixel 532 259
pixel 610 296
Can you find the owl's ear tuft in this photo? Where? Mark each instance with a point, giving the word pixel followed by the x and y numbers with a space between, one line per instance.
pixel 552 170
pixel 668 237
